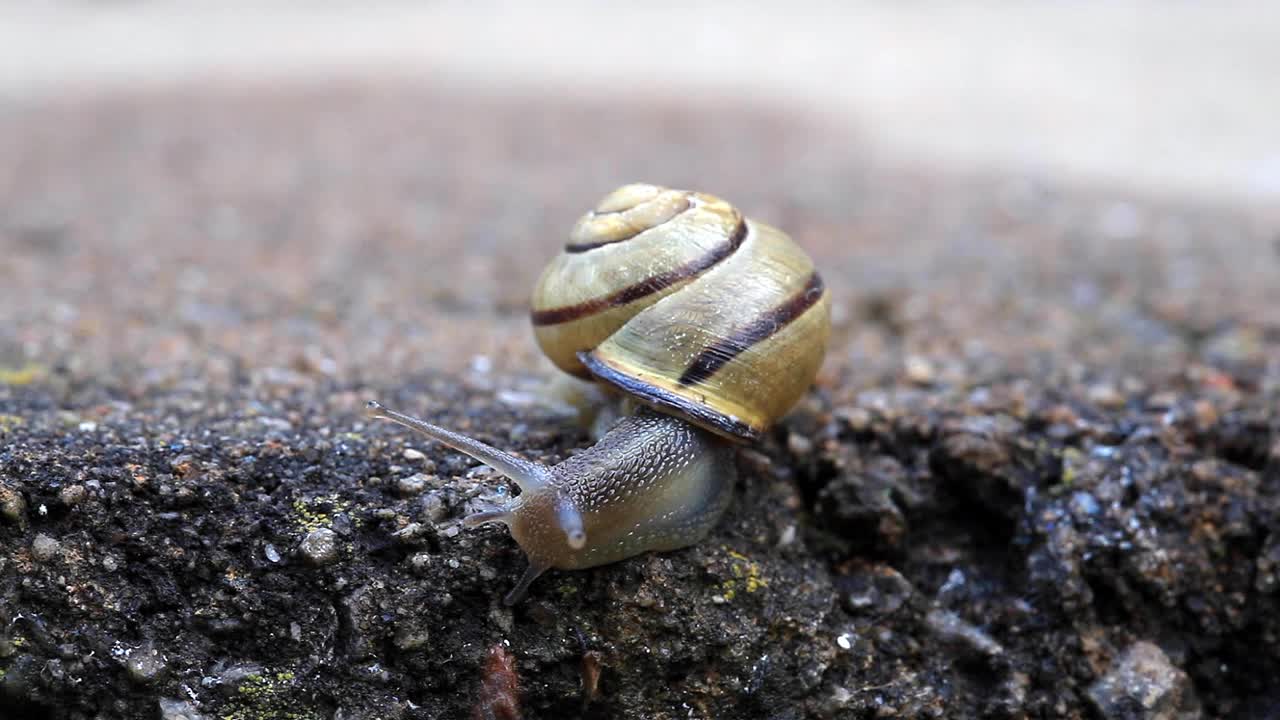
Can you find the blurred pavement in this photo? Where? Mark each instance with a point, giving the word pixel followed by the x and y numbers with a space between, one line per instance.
pixel 1172 97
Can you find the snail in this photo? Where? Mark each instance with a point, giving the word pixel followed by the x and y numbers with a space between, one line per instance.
pixel 714 324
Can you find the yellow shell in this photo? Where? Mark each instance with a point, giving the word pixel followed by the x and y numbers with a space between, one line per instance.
pixel 677 300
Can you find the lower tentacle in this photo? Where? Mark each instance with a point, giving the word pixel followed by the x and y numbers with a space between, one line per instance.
pixel 487 516
pixel 518 592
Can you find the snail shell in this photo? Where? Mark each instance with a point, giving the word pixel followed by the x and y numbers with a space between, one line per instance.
pixel 677 300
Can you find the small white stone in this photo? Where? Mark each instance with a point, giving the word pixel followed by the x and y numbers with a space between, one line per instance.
pixel 919 370
pixel 788 536
pixel 412 485
pixel 320 547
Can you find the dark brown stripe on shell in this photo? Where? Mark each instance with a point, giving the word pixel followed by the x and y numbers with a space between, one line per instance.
pixel 668 401
pixel 648 286
pixel 722 351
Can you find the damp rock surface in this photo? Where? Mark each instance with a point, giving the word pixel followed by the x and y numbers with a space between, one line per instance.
pixel 1039 474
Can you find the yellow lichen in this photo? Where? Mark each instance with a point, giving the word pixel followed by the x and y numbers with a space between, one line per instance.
pixel 268 696
pixel 746 575
pixel 24 375
pixel 308 513
pixel 1072 460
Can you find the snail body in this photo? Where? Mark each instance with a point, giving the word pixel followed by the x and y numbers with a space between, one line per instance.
pixel 653 482
pixel 715 324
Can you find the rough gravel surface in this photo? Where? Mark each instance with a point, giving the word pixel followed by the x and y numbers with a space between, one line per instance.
pixel 1039 475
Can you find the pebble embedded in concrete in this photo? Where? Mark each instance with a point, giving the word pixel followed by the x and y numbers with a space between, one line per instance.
pixel 1143 683
pixel 45 548
pixel 175 709
pixel 13 507
pixel 880 591
pixel 412 485
pixel 145 664
pixel 434 508
pixel 320 547
pixel 72 495
pixel 919 371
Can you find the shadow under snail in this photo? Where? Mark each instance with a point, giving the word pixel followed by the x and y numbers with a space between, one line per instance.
pixel 713 323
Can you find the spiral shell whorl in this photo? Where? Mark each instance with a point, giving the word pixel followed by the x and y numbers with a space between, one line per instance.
pixel 625 213
pixel 640 244
pixel 676 299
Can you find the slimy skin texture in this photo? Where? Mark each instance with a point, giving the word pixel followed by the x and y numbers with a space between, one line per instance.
pixel 653 482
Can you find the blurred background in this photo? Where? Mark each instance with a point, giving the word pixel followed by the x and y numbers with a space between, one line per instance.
pixel 331 187
pixel 1170 95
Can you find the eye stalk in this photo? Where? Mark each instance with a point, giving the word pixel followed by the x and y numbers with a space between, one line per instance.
pixel 530 476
